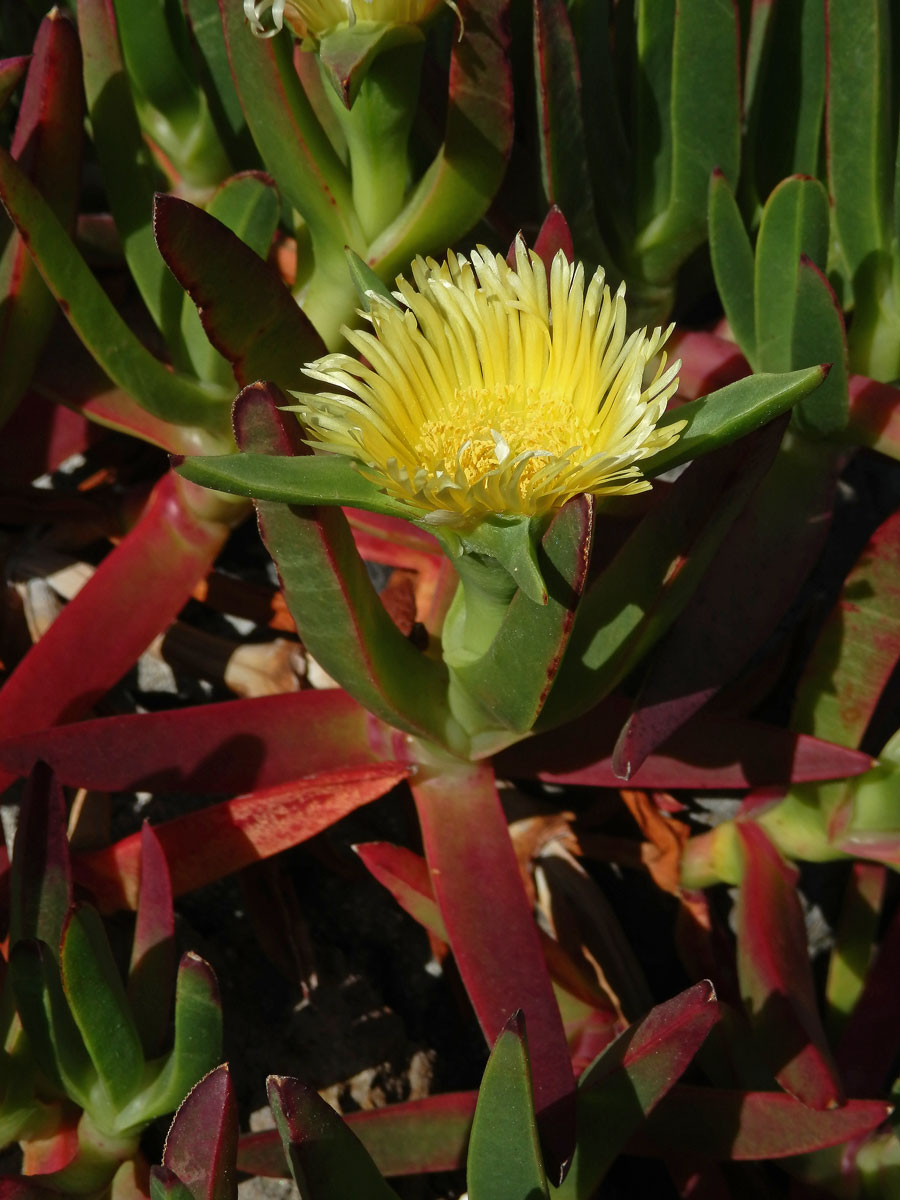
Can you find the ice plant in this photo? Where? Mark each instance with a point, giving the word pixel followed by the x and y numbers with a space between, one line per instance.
pixel 490 393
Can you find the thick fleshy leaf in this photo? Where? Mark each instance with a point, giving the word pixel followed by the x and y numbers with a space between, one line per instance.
pixel 708 362
pixel 403 1139
pixel 96 320
pixel 206 845
pixel 731 413
pixel 336 609
pixel 407 878
pixel 456 188
pixel 754 577
pixel 710 751
pixel 247 312
pixel 819 336
pixel 858 647
pixel 151 973
pixel 472 863
pixel 201 1145
pixel 348 52
pixel 737 1126
pixel 775 976
pixel 732 263
pixel 47 144
pixel 197 1048
pixel 630 1077
pixel 41 875
pixel 553 236
pixel 874 418
pixel 699 135
pixel 300 479
pixel 165 1185
pixel 232 746
pixel 504 1160
pixel 96 996
pixel 561 129
pixel 631 603
pixel 11 72
pixel 794 224
pixel 326 1158
pixel 76 661
pixel 53 1036
pixel 854 939
pixel 512 679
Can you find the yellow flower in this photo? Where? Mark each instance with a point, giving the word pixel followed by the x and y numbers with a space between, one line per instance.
pixel 487 392
pixel 317 17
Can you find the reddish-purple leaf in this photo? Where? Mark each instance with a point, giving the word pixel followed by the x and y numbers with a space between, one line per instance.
pixel 709 751
pixel 406 877
pixel 41 874
pixel 40 435
pixel 247 312
pixel 473 870
pixel 776 977
pixel 404 1139
pixel 708 362
pixel 201 1145
pixel 858 647
pixel 203 846
pixel 554 236
pixel 151 975
pixel 870 1042
pixel 131 597
pixel 750 584
pixel 737 1126
pixel 874 415
pixel 11 71
pixel 232 746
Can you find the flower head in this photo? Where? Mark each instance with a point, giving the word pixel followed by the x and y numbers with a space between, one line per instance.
pixel 484 391
pixel 313 18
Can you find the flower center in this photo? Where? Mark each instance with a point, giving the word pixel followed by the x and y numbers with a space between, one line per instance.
pixel 484 427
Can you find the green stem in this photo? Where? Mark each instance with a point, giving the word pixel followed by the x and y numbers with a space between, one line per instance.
pixel 376 129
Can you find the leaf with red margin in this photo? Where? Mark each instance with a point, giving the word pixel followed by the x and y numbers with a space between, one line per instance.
pixel 77 660
pixel 325 1157
pixel 868 1048
pixel 41 871
pixel 404 1139
pixel 473 867
pixel 151 974
pixel 336 609
pixel 47 145
pixel 630 1077
pixel 204 846
pixel 734 1126
pixel 857 648
pixel 752 581
pixel 201 1145
pixel 710 751
pixel 775 975
pixel 247 312
pixel 232 746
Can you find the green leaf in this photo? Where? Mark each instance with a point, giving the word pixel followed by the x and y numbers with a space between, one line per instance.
pixel 705 134
pixel 732 263
pixel 730 413
pixel 53 1037
pixel 326 1159
pixel 218 83
pixel 509 541
pixel 365 281
pixel 197 1048
pixel 130 176
pixel 95 319
pixel 504 1161
pixel 348 51
pixel 795 223
pixel 819 335
pixel 96 996
pixel 513 678
pixel 307 479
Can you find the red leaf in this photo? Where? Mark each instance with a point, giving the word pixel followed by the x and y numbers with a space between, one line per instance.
pixel 233 746
pixel 201 1145
pixel 775 975
pixel 474 870
pixel 553 236
pixel 77 660
pixel 737 1126
pixel 203 846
